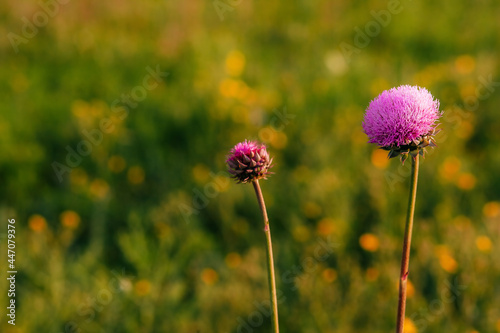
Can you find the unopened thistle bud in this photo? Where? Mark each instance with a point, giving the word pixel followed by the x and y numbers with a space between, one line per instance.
pixel 249 161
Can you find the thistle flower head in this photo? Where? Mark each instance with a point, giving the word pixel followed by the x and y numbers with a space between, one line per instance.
pixel 249 161
pixel 402 120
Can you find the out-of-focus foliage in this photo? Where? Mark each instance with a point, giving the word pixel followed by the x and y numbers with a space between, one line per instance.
pixel 143 232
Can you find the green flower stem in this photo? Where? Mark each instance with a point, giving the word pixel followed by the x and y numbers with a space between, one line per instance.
pixel 270 261
pixel 405 261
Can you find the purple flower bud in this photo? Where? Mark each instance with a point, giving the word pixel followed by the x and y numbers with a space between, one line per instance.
pixel 402 120
pixel 249 161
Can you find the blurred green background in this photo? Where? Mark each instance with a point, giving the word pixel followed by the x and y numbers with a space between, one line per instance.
pixel 139 228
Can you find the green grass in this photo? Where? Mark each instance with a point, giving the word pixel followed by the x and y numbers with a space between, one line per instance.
pixel 165 243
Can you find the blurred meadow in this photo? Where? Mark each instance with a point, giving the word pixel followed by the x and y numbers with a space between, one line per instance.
pixel 115 122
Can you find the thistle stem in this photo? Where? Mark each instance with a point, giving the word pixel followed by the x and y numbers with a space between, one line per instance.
pixel 270 261
pixel 405 260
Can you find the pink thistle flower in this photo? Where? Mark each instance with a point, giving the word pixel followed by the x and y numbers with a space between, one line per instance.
pixel 249 161
pixel 402 119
